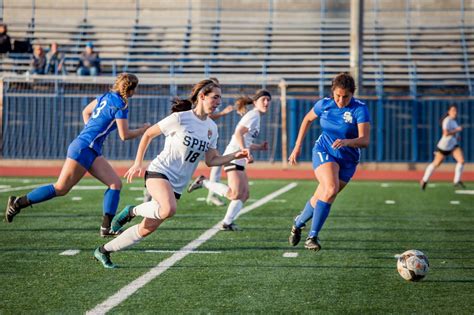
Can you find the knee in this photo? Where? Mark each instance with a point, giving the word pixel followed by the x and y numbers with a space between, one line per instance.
pixel 245 196
pixel 167 212
pixel 116 185
pixel 233 194
pixel 460 161
pixel 330 192
pixel 61 190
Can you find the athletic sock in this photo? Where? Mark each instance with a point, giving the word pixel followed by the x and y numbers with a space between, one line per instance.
pixel 232 211
pixel 106 220
pixel 305 215
pixel 111 201
pixel 429 170
pixel 321 212
pixel 41 194
pixel 128 238
pixel 148 210
pixel 458 172
pixel 215 176
pixel 217 188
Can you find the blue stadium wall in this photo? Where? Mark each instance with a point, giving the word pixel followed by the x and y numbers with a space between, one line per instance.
pixel 41 127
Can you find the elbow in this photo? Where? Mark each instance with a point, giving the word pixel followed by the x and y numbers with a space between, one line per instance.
pixel 365 143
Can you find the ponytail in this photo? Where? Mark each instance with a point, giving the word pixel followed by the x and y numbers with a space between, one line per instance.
pixel 242 102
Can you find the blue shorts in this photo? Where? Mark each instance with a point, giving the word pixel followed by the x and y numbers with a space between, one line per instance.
pixel 346 168
pixel 81 153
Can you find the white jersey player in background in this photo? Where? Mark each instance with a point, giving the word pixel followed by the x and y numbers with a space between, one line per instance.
pixel 448 144
pixel 190 137
pixel 244 135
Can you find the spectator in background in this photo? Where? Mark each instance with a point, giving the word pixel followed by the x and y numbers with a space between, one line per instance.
pixel 38 63
pixel 5 44
pixel 89 63
pixel 55 60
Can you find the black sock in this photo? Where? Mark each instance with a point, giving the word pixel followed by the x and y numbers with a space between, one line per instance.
pixel 23 202
pixel 106 219
pixel 102 250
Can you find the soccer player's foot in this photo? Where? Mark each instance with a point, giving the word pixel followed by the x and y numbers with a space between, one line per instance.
pixel 214 200
pixel 423 184
pixel 104 258
pixel 107 232
pixel 295 236
pixel 196 184
pixel 312 243
pixel 229 227
pixel 121 218
pixel 460 185
pixel 12 209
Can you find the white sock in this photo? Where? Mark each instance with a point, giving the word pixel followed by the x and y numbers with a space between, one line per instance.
pixel 458 172
pixel 429 170
pixel 128 238
pixel 148 210
pixel 232 211
pixel 215 176
pixel 217 188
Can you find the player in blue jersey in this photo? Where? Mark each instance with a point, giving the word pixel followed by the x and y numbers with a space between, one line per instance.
pixel 103 115
pixel 345 125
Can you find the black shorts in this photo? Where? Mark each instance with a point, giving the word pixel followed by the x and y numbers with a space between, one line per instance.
pixel 233 167
pixel 446 153
pixel 159 175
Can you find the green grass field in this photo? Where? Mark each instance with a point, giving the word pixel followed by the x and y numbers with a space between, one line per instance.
pixel 246 272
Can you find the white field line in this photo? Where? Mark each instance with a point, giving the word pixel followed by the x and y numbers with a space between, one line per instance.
pixel 19 188
pixel 79 187
pixel 70 252
pixel 189 251
pixel 138 283
pixel 465 192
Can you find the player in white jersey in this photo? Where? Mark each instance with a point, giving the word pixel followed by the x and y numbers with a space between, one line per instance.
pixel 448 144
pixel 190 137
pixel 245 133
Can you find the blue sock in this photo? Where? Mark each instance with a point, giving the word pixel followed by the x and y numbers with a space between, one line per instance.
pixel 321 212
pixel 111 201
pixel 41 194
pixel 305 215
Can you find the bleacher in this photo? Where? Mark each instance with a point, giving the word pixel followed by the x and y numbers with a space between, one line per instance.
pixel 409 50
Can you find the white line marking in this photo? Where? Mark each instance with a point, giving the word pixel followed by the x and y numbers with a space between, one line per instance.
pixel 390 202
pixel 188 251
pixel 137 188
pixel 89 187
pixel 385 185
pixel 290 255
pixel 70 252
pixel 34 186
pixel 465 192
pixel 201 199
pixel 5 186
pixel 455 202
pixel 19 188
pixel 141 281
pixel 77 198
pixel 139 199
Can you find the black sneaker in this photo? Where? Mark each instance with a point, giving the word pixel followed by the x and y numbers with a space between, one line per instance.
pixel 229 227
pixel 196 184
pixel 312 243
pixel 423 185
pixel 295 236
pixel 12 209
pixel 107 232
pixel 460 185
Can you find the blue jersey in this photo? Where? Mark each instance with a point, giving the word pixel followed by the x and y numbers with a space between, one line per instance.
pixel 340 123
pixel 110 106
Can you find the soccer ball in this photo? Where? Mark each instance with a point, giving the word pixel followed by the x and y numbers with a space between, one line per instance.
pixel 413 265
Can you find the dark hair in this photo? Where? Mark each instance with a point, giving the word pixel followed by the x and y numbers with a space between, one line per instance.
pixel 204 86
pixel 242 102
pixel 447 113
pixel 344 81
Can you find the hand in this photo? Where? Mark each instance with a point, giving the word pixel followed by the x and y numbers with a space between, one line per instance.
pixel 146 126
pixel 244 154
pixel 459 129
pixel 339 143
pixel 293 156
pixel 227 109
pixel 264 146
pixel 131 172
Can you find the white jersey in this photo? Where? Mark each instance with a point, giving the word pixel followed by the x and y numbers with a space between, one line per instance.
pixel 251 120
pixel 447 143
pixel 188 138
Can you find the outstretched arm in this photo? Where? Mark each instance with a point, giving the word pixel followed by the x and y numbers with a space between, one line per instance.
pixel 214 159
pixel 305 124
pixel 127 134
pixel 228 109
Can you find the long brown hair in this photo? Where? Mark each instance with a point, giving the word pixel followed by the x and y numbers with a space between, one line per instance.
pixel 242 102
pixel 204 86
pixel 124 83
pixel 447 113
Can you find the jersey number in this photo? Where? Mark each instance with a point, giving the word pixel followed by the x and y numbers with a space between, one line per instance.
pixel 97 110
pixel 321 157
pixel 192 156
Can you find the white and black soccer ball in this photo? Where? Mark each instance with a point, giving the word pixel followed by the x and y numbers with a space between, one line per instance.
pixel 413 265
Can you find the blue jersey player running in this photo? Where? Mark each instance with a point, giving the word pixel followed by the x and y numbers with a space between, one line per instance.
pixel 345 125
pixel 103 115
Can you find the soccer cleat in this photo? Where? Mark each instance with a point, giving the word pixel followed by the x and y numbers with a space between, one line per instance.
pixel 295 236
pixel 12 209
pixel 107 232
pixel 121 218
pixel 104 259
pixel 312 243
pixel 423 184
pixel 229 227
pixel 196 184
pixel 460 185
pixel 214 200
